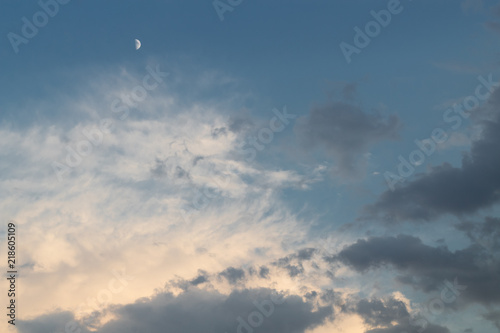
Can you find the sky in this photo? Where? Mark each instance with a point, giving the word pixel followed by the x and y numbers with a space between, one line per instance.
pixel 253 167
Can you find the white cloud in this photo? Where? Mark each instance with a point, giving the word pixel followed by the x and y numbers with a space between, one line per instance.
pixel 111 212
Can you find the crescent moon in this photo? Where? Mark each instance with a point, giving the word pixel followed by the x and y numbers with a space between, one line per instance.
pixel 137 44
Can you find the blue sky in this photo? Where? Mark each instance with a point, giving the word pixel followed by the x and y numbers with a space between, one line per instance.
pixel 255 158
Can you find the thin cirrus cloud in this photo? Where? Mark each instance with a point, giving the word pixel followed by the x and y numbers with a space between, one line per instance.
pixel 132 196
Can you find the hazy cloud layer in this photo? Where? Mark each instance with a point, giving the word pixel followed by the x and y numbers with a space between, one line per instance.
pixel 345 131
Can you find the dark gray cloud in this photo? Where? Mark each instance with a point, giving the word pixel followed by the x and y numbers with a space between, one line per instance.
pixel 390 315
pixel 54 322
pixel 301 255
pixel 345 131
pixel 197 310
pixel 184 284
pixel 401 251
pixel 447 189
pixel 427 268
pixel 486 234
pixel 305 254
pixel 311 296
pixel 428 328
pixel 233 275
pixel 294 270
pixel 264 272
pixel 377 313
pixel 201 278
pixel 330 296
pixel 293 262
pixel 494 317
